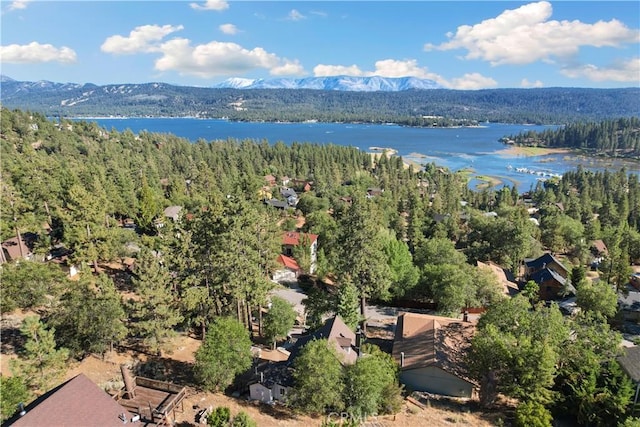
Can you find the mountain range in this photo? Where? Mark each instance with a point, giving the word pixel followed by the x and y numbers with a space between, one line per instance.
pixel 377 100
pixel 341 83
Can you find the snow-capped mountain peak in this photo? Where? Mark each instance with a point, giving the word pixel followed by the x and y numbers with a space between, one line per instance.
pixel 338 83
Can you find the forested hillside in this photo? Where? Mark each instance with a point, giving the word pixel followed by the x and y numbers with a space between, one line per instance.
pixel 541 106
pixel 619 137
pixel 385 233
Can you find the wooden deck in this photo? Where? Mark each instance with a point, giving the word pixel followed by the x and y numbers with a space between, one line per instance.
pixel 155 401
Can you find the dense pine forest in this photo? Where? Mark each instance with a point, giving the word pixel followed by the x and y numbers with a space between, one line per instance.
pixel 386 233
pixel 619 137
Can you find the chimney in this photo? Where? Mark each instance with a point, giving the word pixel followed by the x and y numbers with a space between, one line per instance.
pixel 261 377
pixel 402 359
pixel 129 383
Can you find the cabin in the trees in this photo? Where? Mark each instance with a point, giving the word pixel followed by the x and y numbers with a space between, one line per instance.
pixel 18 248
pixel 270 180
pixel 504 277
pixel 272 381
pixel 551 276
pixel 289 270
pixel 430 351
pixel 293 239
pixel 76 402
pixel 629 303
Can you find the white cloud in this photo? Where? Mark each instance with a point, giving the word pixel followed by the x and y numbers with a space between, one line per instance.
pixel 319 13
pixel 624 71
pixel 525 35
pixel 228 29
pixel 527 83
pixel 211 5
pixel 288 68
pixel 145 38
pixel 294 15
pixel 472 81
pixel 322 70
pixel 19 4
pixel 35 52
pixel 406 68
pixel 220 59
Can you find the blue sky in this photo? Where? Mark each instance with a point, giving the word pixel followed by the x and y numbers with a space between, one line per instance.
pixel 461 45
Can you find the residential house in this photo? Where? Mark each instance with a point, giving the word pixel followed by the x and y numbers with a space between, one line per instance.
pixel 430 351
pixel 629 304
pixel 552 285
pixel 270 180
pixel 278 204
pixel 599 251
pixel 630 363
pixel 273 380
pixel 290 195
pixel 635 280
pixel 14 249
pixel 505 278
pixel 285 180
pixel 545 261
pixel 302 185
pixel 289 271
pixel 551 276
pixel 292 239
pixel 76 402
pixel 340 337
pixel 173 212
pixel 374 192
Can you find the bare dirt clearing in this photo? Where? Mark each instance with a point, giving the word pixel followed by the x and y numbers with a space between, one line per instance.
pixel 176 366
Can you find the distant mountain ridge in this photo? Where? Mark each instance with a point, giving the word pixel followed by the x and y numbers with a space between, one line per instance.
pixel 339 83
pixel 297 102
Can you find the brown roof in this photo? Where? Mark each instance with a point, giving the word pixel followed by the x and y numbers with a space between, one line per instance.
pixel 600 247
pixel 424 340
pixel 13 249
pixel 77 402
pixel 292 238
pixel 288 262
pixel 509 287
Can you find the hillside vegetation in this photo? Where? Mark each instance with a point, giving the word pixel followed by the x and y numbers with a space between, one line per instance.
pixel 386 233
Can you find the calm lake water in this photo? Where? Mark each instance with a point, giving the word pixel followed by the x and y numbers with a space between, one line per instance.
pixel 477 148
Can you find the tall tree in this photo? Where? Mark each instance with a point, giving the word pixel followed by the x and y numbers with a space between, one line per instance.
pixel 90 317
pixel 516 350
pixel 347 306
pixel 362 254
pixel 367 382
pixel 225 353
pixel 279 320
pixel 154 313
pixel 318 379
pixel 40 363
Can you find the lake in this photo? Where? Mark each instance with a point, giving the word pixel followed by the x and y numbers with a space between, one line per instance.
pixel 474 148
